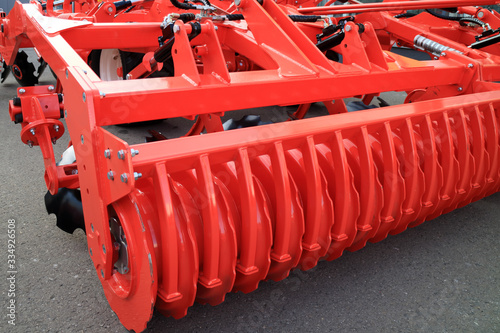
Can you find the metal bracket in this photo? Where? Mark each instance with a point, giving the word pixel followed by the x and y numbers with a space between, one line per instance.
pixel 118 175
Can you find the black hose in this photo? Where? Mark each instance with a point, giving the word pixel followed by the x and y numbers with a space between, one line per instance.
pixel 304 18
pixel 182 5
pixel 329 30
pixel 234 17
pixel 294 18
pixel 405 15
pixel 186 17
pixel 331 41
pixel 445 17
pixel 463 21
pixel 205 2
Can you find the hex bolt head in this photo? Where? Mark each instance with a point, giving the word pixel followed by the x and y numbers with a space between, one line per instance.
pixel 21 91
pixel 443 54
pixel 470 65
pixel 56 128
pixel 137 175
pixel 51 88
pixel 134 152
pixel 124 178
pixel 347 28
pixel 32 131
pixel 111 175
pixel 54 140
pixel 121 154
pixel 460 89
pixel 30 143
pixel 129 76
pixel 107 153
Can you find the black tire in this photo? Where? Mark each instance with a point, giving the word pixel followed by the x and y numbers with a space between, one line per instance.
pixel 129 61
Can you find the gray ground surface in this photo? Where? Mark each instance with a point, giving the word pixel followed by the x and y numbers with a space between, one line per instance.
pixel 443 276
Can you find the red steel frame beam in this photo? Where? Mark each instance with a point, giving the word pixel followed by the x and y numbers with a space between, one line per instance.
pixel 182 153
pixel 240 95
pixel 394 5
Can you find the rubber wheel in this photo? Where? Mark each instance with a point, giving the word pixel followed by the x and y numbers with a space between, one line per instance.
pixel 113 64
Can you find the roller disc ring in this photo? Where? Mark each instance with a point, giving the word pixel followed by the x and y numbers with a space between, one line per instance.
pixel 132 295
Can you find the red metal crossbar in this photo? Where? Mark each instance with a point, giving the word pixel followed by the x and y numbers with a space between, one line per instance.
pixel 394 5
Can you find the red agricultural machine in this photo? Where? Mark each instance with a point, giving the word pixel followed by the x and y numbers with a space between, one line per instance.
pixel 225 206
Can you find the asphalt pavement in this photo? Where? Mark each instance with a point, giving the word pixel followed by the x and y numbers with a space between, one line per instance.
pixel 443 276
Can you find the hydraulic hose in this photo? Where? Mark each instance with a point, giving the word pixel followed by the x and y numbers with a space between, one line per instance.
pixel 405 15
pixel 464 20
pixel 331 41
pixel 445 17
pixel 294 18
pixel 186 17
pixel 182 5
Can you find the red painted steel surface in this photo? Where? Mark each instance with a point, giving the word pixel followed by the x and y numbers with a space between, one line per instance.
pixel 204 215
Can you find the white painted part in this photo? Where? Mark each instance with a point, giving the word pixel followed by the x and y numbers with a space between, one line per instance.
pixel 68 156
pixel 109 63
